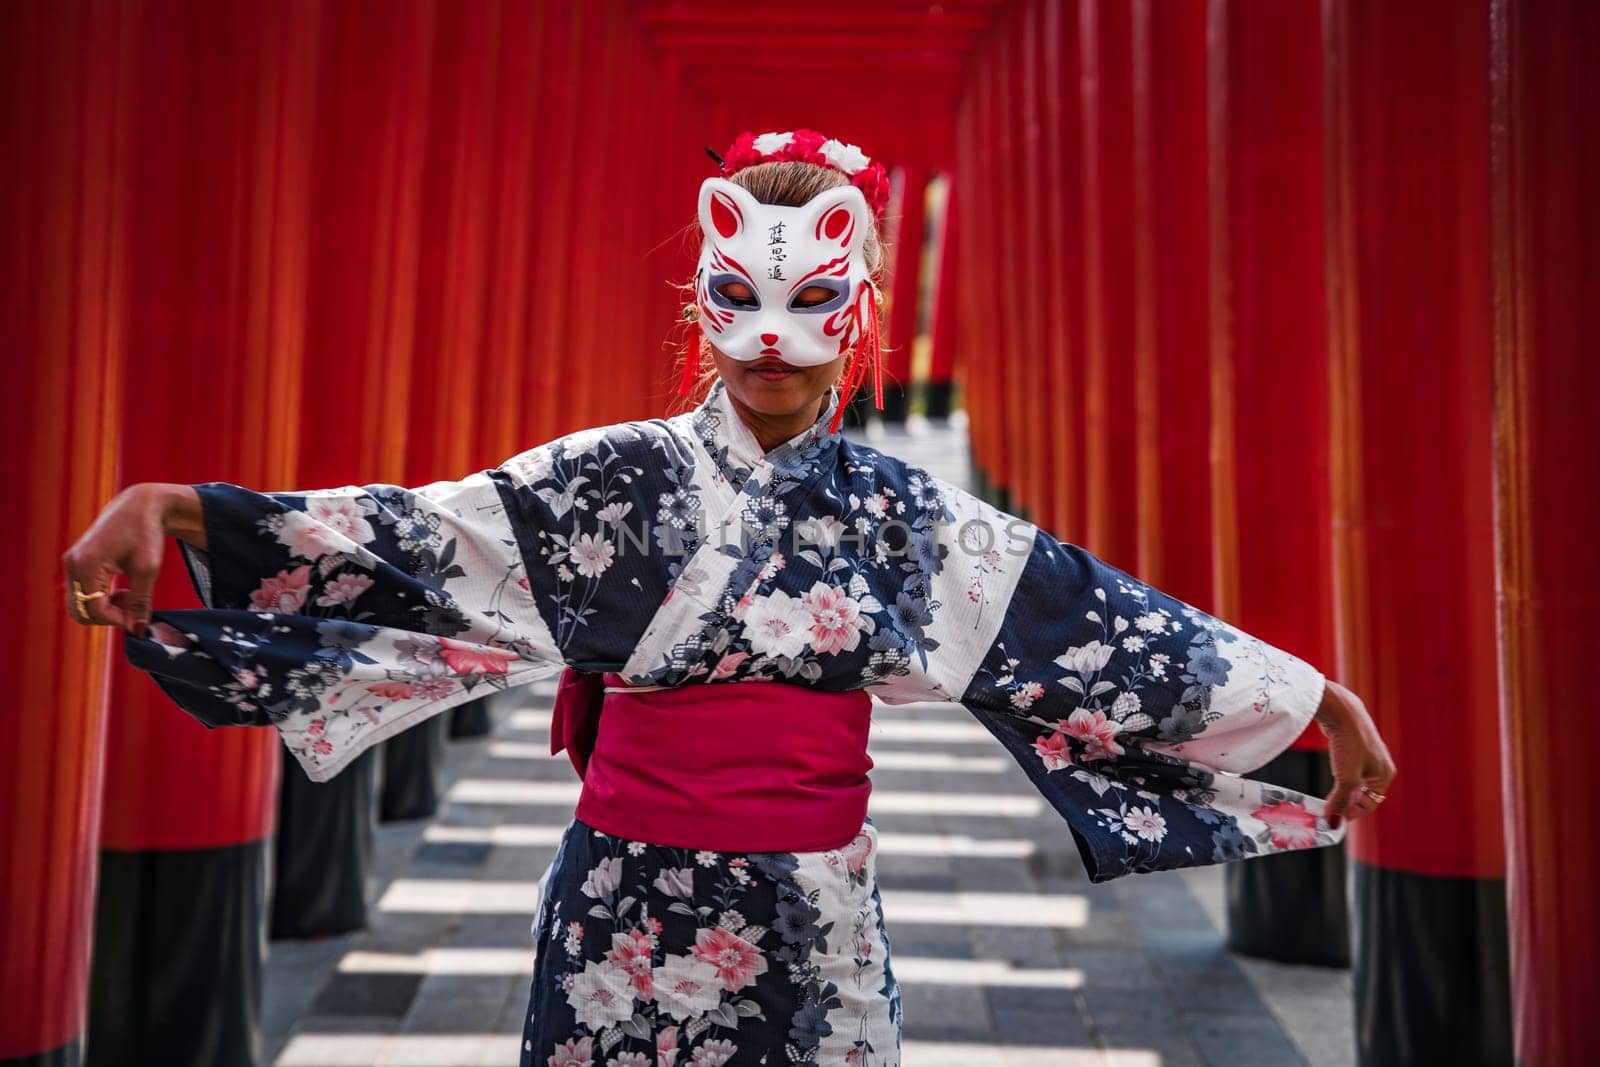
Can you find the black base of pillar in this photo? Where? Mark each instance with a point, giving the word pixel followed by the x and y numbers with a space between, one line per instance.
pixel 896 404
pixel 1290 906
pixel 178 943
pixel 937 397
pixel 68 1055
pixel 1432 975
pixel 471 719
pixel 323 851
pixel 413 771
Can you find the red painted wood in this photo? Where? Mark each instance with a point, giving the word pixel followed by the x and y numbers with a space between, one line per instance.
pixel 1033 256
pixel 223 119
pixel 1409 261
pixel 906 279
pixel 564 51
pixel 944 334
pixel 1063 220
pixel 1269 328
pixel 65 72
pixel 514 288
pixel 455 242
pixel 1172 298
pixel 1110 413
pixel 1546 95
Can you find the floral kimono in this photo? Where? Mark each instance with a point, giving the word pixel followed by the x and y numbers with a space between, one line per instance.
pixel 676 552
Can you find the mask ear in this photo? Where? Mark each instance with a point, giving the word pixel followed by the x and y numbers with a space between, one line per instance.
pixel 725 209
pixel 839 216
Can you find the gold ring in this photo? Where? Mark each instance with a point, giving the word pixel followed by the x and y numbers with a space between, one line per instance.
pixel 1374 794
pixel 77 591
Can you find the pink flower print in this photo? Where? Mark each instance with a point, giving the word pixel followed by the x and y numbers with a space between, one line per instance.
pixel 1147 823
pixel 343 588
pixel 778 625
pixel 392 690
pixel 249 679
pixel 631 952
pixel 1053 751
pixel 629 1059
pixel 1025 694
pixel 592 556
pixel 435 688
pixel 306 538
pixel 667 1046
pixel 284 593
pixel 323 747
pixel 1098 733
pixel 342 514
pixel 574 1052
pixel 466 658
pixel 713 1053
pixel 600 995
pixel 314 728
pixel 737 961
pixel 856 853
pixel 169 635
pixel 686 987
pixel 835 619
pixel 523 582
pixel 1292 826
pixel 728 664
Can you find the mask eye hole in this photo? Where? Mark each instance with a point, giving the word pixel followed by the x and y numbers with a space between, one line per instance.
pixel 737 293
pixel 812 296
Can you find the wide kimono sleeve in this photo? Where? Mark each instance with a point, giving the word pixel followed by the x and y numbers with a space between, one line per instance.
pixel 1138 716
pixel 344 616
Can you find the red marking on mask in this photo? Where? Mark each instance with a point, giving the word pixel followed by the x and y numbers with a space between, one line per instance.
pixel 837 225
pixel 725 215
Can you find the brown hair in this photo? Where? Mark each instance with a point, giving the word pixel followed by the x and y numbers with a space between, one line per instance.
pixel 786 183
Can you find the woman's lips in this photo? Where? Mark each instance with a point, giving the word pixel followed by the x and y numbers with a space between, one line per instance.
pixel 771 369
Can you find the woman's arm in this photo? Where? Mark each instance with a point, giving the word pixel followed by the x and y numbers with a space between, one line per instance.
pixel 126 539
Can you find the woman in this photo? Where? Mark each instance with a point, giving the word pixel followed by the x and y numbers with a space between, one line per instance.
pixel 729 585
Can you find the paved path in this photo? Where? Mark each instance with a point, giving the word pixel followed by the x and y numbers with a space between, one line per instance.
pixel 1131 973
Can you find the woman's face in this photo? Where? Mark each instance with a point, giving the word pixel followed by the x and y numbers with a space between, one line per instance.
pixel 769 386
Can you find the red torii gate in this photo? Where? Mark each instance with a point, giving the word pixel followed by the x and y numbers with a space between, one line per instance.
pixel 1090 282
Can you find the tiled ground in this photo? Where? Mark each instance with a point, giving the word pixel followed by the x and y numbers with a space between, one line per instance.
pixel 1131 973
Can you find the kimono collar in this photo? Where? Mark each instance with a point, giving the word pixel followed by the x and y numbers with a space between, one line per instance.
pixel 734 445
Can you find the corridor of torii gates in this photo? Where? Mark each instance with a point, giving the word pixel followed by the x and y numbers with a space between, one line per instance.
pixel 1276 304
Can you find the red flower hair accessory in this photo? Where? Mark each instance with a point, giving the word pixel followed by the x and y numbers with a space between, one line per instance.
pixel 809 146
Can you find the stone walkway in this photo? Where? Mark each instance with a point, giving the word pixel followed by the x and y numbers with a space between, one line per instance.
pixel 1130 973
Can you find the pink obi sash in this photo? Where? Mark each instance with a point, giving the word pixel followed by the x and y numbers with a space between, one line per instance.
pixel 727 766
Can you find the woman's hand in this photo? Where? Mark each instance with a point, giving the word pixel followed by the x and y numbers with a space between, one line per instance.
pixel 128 538
pixel 1359 757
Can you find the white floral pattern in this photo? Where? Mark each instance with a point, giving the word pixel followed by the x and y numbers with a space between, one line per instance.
pixel 678 551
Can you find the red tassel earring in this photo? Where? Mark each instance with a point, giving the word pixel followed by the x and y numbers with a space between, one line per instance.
pixel 691 352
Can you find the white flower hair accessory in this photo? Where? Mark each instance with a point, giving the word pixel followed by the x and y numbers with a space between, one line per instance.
pixel 809 146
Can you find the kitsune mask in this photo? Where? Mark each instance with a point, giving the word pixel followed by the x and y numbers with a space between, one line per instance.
pixel 787 260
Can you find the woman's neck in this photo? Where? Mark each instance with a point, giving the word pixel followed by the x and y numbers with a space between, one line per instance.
pixel 773 430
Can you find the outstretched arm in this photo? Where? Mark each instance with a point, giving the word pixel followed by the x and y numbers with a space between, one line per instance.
pixel 340 616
